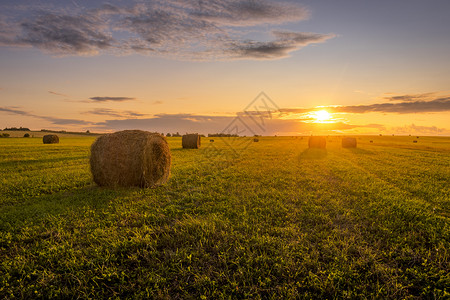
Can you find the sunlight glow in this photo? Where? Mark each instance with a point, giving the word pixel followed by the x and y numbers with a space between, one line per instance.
pixel 322 116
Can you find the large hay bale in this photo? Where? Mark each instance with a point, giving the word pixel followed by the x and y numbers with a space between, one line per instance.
pixel 191 141
pixel 50 139
pixel 349 142
pixel 255 140
pixel 317 142
pixel 130 158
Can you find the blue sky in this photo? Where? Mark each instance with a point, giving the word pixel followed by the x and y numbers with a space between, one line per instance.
pixel 193 65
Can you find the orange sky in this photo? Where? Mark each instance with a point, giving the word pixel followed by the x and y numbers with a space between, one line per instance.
pixel 103 66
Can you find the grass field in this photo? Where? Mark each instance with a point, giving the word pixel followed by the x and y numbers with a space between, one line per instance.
pixel 277 220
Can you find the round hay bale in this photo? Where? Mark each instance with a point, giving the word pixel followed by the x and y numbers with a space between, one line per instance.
pixel 317 142
pixel 371 141
pixel 191 141
pixel 130 158
pixel 349 142
pixel 255 140
pixel 211 141
pixel 414 141
pixel 50 139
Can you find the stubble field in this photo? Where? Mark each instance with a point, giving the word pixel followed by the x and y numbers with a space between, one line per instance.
pixel 260 220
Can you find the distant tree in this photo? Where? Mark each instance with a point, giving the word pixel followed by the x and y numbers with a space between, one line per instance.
pixel 26 135
pixel 5 135
pixel 17 129
pixel 168 134
pixel 87 131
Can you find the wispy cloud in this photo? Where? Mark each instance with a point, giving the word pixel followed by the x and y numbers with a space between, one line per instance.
pixel 114 99
pixel 53 120
pixel 57 94
pixel 158 102
pixel 188 29
pixel 414 97
pixel 114 113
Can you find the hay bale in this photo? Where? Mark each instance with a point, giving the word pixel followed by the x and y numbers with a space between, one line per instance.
pixel 211 141
pixel 255 140
pixel 349 142
pixel 130 158
pixel 414 141
pixel 50 139
pixel 317 142
pixel 191 141
pixel 371 141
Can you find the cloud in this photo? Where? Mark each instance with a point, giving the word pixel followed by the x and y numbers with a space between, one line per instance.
pixel 57 94
pixel 114 113
pixel 157 102
pixel 241 125
pixel 409 105
pixel 192 30
pixel 285 43
pixel 63 34
pixel 53 120
pixel 424 130
pixel 436 105
pixel 115 99
pixel 416 97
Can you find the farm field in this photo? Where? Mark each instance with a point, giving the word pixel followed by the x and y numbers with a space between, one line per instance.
pixel 271 219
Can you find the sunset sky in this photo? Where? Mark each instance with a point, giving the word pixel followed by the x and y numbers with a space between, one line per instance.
pixel 324 66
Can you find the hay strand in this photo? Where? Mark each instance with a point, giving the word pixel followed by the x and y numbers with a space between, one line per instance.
pixel 50 139
pixel 130 158
pixel 191 141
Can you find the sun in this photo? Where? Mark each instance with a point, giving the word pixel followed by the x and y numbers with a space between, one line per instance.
pixel 322 116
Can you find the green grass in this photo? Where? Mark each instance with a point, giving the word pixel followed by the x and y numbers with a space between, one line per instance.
pixel 278 220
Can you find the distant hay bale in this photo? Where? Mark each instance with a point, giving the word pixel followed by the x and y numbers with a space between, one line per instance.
pixel 349 142
pixel 191 141
pixel 130 158
pixel 414 141
pixel 317 142
pixel 211 141
pixel 26 135
pixel 371 141
pixel 255 140
pixel 50 139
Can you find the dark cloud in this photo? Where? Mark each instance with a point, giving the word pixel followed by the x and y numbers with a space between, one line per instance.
pixel 66 34
pixel 114 113
pixel 409 105
pixel 192 29
pixel 115 99
pixel 436 105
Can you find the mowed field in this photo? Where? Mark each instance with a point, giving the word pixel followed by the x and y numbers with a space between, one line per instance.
pixel 270 219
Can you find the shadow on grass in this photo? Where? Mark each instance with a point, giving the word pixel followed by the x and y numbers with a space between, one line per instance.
pixel 360 151
pixel 312 153
pixel 61 203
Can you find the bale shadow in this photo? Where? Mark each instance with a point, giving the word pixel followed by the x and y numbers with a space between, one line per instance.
pixel 360 151
pixel 313 153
